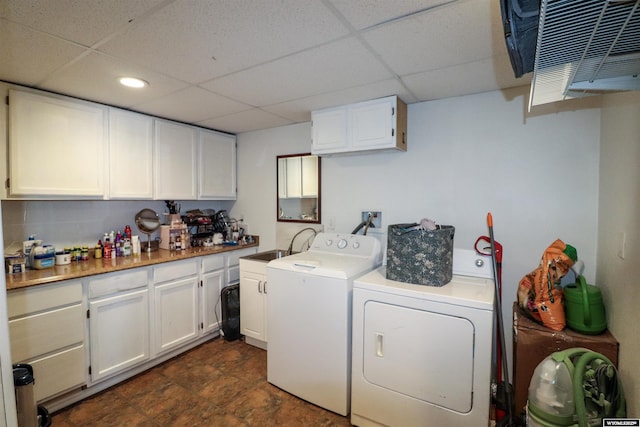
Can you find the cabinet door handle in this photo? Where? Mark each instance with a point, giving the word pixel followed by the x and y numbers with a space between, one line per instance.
pixel 379 344
pixel 264 286
pixel 259 286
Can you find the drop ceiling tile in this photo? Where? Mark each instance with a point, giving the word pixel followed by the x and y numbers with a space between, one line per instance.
pixel 464 79
pixel 197 40
pixel 299 110
pixel 328 68
pixel 191 105
pixel 366 13
pixel 29 56
pixel 84 22
pixel 245 121
pixel 450 35
pixel 97 75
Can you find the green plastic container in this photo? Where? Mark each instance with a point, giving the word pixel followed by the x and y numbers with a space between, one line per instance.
pixel 584 308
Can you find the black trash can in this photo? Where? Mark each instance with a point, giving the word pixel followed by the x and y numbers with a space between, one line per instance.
pixel 29 413
pixel 230 296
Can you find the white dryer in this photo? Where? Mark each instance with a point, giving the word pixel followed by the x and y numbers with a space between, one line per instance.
pixel 422 354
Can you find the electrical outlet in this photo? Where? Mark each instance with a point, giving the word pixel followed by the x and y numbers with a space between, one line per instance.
pixel 376 221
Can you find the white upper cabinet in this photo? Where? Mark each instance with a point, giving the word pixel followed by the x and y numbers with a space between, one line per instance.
pixel 64 148
pixel 370 125
pixel 56 146
pixel 175 154
pixel 329 130
pixel 217 166
pixel 130 155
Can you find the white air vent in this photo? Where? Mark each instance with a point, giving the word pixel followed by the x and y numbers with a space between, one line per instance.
pixel 586 47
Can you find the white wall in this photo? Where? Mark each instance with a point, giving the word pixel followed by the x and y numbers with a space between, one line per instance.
pixel 537 174
pixel 619 212
pixel 257 177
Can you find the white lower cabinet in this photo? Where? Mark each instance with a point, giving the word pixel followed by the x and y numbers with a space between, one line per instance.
pixel 46 330
pixel 131 320
pixel 176 304
pixel 253 302
pixel 118 322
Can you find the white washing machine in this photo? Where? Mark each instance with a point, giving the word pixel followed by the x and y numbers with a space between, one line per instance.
pixel 422 354
pixel 309 317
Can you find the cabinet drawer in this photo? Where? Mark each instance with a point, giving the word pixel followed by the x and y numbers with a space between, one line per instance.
pixel 117 282
pixel 43 297
pixel 175 270
pixel 59 372
pixel 213 262
pixel 46 332
pixel 253 266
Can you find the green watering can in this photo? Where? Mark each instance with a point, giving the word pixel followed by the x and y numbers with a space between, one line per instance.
pixel 584 307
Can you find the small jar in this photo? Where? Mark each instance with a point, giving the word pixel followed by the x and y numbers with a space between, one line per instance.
pixel 97 252
pixel 84 253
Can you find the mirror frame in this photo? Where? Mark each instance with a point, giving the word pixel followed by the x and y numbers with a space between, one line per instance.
pixel 318 220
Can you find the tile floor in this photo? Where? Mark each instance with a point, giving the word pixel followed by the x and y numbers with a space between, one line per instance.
pixel 219 383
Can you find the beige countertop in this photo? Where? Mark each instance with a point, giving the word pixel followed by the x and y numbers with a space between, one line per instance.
pixel 92 266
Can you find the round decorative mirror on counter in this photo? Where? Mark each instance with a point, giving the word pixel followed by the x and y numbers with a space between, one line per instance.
pixel 148 222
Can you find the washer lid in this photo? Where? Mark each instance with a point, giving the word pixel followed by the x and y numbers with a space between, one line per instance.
pixel 467 291
pixel 325 264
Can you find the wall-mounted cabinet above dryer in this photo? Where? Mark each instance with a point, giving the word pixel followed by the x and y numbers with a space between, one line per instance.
pixel 379 124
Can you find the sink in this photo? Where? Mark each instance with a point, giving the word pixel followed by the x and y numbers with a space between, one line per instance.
pixel 267 256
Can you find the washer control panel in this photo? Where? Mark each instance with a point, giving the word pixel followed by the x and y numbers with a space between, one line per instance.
pixel 347 244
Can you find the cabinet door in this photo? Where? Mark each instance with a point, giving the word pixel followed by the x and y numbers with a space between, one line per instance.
pixel 56 146
pixel 217 166
pixel 212 284
pixel 371 124
pixel 176 313
pixel 252 309
pixel 119 332
pixel 130 155
pixel 175 153
pixel 329 130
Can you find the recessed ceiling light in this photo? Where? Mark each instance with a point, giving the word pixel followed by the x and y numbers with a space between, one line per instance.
pixel 133 82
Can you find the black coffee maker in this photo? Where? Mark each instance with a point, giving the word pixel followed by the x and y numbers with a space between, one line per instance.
pixel 222 224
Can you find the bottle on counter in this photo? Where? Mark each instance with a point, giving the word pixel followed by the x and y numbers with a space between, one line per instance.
pixel 97 252
pixel 118 244
pixel 106 250
pixel 126 247
pixel 127 232
pixel 135 245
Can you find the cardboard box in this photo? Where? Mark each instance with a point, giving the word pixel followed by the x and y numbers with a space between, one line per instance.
pixel 533 342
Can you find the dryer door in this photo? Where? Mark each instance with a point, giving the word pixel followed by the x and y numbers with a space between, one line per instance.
pixel 421 354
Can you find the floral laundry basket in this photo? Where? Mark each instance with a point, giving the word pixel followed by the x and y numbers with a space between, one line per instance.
pixel 421 257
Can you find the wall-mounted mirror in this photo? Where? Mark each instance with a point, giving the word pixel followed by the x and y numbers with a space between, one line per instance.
pixel 299 188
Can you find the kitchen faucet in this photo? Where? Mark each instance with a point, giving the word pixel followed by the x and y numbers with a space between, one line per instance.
pixel 290 249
